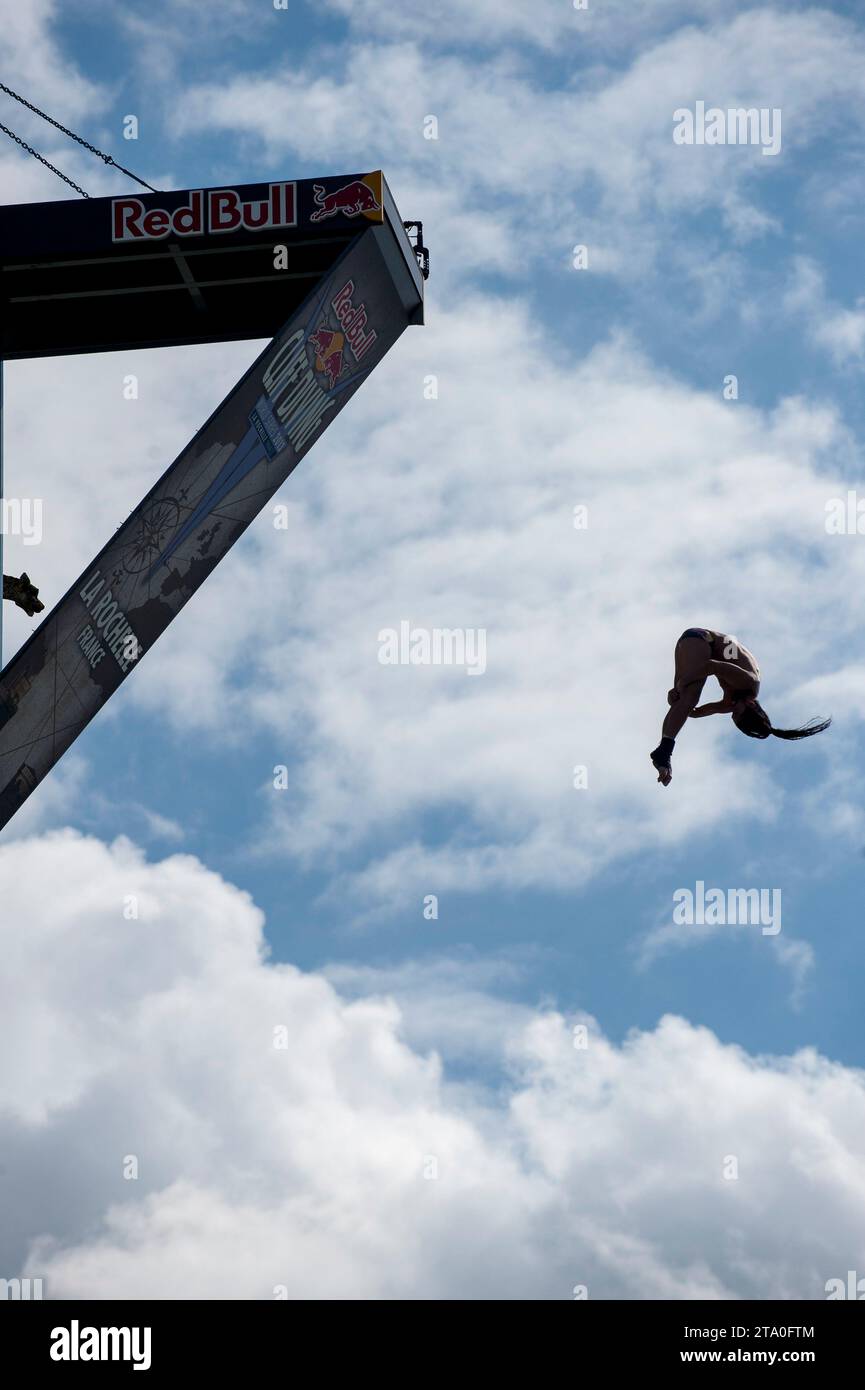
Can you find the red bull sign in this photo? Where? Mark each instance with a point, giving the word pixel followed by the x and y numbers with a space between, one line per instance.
pixel 353 320
pixel 212 211
pixel 360 197
pixel 216 211
pixel 328 347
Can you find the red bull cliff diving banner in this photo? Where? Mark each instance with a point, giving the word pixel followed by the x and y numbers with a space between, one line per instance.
pixel 138 583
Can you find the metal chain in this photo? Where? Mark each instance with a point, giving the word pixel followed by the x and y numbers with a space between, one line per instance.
pixel 42 159
pixel 109 159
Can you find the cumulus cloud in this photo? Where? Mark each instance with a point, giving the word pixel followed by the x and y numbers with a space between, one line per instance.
pixel 348 1164
pixel 588 159
pixel 420 1134
pixel 470 524
pixel 458 512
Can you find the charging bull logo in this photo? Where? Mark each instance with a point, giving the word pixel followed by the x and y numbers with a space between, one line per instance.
pixel 328 347
pixel 352 199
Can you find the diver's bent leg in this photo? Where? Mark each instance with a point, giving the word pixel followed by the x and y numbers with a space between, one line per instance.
pixel 677 714
pixel 691 671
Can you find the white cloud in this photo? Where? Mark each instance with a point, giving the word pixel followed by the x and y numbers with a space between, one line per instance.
pixel 454 1005
pixel 459 513
pixel 29 49
pixel 838 330
pixel 305 1166
pixel 590 160
pixel 152 1035
pixel 561 25
pixel 36 66
pixel 162 827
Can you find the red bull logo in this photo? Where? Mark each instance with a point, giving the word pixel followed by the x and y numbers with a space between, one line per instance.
pixel 328 346
pixel 351 200
pixel 213 210
pixel 352 319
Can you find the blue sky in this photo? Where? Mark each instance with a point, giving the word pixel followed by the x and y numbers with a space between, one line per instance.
pixel 556 386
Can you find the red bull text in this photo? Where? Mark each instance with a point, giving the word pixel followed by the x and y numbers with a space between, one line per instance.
pixel 219 210
pixel 353 320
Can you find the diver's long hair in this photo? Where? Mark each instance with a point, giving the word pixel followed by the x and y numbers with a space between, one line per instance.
pixel 755 722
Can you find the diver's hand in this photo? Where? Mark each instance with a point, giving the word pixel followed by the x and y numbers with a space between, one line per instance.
pixel 714 707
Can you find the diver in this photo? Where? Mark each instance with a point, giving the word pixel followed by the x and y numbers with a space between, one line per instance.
pixel 23 593
pixel 701 653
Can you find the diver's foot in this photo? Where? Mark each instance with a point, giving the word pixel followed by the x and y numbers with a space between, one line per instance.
pixel 661 761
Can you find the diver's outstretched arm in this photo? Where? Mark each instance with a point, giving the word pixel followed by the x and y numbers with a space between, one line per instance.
pixel 725 706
